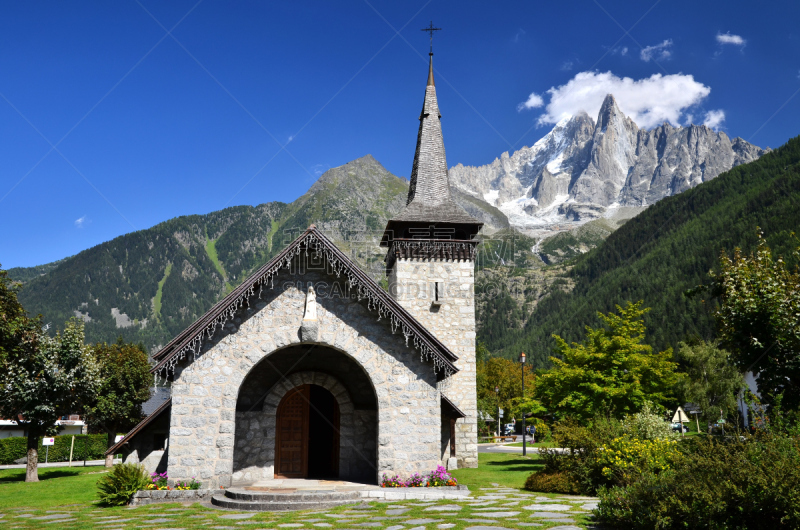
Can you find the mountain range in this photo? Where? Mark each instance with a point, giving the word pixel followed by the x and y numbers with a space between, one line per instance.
pixel 149 285
pixel 585 169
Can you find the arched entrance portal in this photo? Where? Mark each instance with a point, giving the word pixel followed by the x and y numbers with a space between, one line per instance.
pixel 307 438
pixel 321 403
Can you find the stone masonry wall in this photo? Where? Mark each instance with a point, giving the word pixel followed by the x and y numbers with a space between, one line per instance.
pixel 453 323
pixel 205 389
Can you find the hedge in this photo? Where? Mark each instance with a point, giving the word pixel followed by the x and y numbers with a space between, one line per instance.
pixel 87 447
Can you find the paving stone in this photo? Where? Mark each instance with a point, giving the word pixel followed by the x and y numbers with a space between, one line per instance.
pixel 496 514
pixel 549 507
pixel 240 516
pixel 423 521
pixel 529 524
pixel 53 516
pixel 443 508
pixel 197 516
pixel 537 515
pixel 224 527
pixel 370 525
pixel 399 511
pixel 417 528
pixel 590 506
pixel 158 520
pixel 290 525
pixel 478 521
pixel 444 526
pixel 487 528
pixel 560 520
pixel 60 521
pixel 383 518
pixel 323 524
pixel 117 521
pixel 565 527
pixel 24 515
pixel 395 527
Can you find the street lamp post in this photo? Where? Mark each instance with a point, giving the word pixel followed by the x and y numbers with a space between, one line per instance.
pixel 522 364
pixel 497 402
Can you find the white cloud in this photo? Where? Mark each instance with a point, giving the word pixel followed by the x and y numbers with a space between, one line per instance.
pixel 518 35
pixel 714 118
pixel 567 66
pixel 82 221
pixel 649 101
pixel 534 101
pixel 728 38
pixel 658 52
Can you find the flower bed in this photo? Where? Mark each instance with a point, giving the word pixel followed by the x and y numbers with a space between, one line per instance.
pixel 160 482
pixel 439 477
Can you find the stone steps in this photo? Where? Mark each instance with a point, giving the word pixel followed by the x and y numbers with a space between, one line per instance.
pixel 266 501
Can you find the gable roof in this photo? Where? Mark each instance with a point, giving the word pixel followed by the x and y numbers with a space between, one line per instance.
pixel 142 424
pixel 191 339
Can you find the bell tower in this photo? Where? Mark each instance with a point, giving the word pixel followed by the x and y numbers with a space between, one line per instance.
pixel 430 266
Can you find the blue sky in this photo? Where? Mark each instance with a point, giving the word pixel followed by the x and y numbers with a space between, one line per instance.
pixel 115 116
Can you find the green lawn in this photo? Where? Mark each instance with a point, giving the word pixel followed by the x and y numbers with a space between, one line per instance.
pixel 508 470
pixel 57 486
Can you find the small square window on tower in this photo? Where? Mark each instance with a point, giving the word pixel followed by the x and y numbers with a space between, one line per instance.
pixel 437 293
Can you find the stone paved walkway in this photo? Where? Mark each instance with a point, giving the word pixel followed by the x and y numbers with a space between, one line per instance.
pixel 494 508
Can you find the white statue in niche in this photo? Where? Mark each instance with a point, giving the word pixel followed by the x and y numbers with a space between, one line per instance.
pixel 311 304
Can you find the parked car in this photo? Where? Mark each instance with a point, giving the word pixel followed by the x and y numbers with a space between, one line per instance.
pixel 679 427
pixel 508 428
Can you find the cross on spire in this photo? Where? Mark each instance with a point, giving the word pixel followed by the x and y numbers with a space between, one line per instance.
pixel 430 29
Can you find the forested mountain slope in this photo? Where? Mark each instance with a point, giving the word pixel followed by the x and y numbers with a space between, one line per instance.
pixel 150 285
pixel 669 248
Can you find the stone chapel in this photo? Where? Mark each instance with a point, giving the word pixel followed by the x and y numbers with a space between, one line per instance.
pixel 310 369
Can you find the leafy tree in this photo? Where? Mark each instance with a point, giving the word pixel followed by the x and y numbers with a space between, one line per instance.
pixel 44 378
pixel 759 319
pixel 505 375
pixel 125 385
pixel 712 381
pixel 611 372
pixel 15 327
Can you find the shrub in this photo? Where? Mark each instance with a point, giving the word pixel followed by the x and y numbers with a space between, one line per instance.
pixel 118 486
pixel 552 482
pixel 87 447
pixel 648 425
pixel 750 484
pixel 624 460
pixel 583 442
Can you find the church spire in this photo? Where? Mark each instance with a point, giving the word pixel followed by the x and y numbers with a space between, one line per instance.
pixel 429 182
pixel 430 207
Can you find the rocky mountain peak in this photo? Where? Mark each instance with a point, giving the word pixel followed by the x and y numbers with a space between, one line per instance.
pixel 584 169
pixel 609 111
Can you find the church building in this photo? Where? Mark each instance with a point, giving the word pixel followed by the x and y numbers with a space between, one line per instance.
pixel 310 369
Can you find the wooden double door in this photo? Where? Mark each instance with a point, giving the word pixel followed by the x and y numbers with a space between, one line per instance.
pixel 307 438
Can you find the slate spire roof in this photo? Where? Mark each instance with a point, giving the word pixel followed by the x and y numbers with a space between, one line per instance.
pixel 429 198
